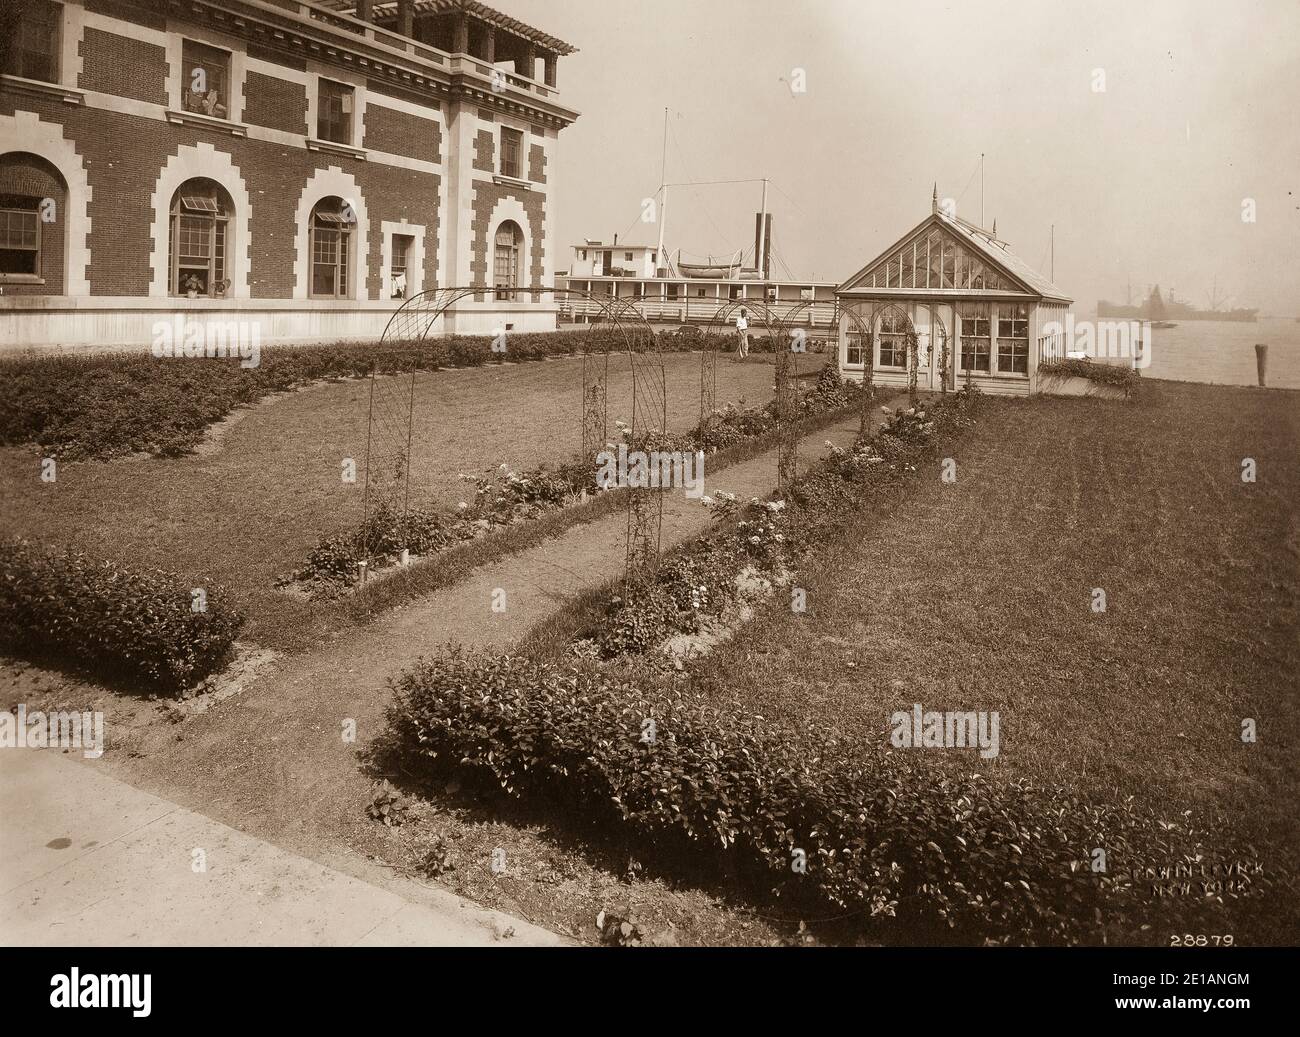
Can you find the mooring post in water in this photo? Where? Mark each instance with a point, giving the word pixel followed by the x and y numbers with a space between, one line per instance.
pixel 1261 362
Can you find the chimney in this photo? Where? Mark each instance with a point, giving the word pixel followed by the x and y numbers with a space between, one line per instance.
pixel 763 245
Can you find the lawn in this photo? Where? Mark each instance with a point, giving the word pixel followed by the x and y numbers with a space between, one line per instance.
pixel 978 595
pixel 251 506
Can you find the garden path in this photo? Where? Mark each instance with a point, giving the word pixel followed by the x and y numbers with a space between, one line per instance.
pixel 272 761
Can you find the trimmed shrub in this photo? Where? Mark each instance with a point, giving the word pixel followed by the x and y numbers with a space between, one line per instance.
pixel 1104 374
pixel 107 406
pixel 116 622
pixel 951 857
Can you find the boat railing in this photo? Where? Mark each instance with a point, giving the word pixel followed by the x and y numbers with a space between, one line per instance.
pixel 701 312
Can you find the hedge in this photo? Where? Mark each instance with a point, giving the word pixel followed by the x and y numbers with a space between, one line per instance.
pixel 1104 374
pixel 884 832
pixel 109 405
pixel 138 624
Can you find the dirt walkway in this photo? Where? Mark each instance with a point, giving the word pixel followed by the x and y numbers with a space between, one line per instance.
pixel 272 761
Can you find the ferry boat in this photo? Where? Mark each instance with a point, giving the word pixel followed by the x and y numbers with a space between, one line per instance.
pixel 668 291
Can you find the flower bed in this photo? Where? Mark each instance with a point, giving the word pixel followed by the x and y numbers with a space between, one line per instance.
pixel 144 625
pixel 761 540
pixel 504 498
pixel 501 498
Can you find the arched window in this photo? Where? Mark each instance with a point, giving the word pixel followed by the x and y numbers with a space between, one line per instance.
pixel 332 224
pixel 32 199
pixel 199 241
pixel 505 263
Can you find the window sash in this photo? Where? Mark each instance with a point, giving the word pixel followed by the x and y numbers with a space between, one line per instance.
pixel 20 243
pixel 20 229
pixel 511 143
pixel 505 267
pixel 197 248
pixel 893 350
pixel 334 119
pixel 200 205
pixel 975 338
pixel 34 53
pixel 216 73
pixel 401 250
pixel 330 250
pixel 1013 356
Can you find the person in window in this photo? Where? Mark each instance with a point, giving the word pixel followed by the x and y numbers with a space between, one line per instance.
pixel 742 334
pixel 211 105
pixel 399 286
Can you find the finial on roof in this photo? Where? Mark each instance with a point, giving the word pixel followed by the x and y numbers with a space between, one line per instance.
pixel 934 198
pixel 995 226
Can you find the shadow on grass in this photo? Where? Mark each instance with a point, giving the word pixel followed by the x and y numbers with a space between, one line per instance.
pixel 595 834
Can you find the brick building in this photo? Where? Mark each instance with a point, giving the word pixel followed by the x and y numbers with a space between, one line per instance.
pixel 300 166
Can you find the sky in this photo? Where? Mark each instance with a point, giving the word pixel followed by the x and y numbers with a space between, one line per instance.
pixel 1145 179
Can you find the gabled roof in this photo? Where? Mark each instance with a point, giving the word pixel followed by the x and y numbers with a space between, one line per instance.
pixel 992 262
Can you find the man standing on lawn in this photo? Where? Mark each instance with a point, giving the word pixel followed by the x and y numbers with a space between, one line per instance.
pixel 742 334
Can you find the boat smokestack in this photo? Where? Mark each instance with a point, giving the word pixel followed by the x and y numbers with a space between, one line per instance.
pixel 763 245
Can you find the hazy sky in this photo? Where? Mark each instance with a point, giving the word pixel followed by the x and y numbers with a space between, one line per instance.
pixel 1144 181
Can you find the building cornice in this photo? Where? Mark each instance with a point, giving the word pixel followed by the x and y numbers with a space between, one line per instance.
pixel 302 31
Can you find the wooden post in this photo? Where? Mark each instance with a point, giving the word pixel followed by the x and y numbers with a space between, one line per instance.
pixel 1261 363
pixel 549 61
pixel 363 11
pixel 405 16
pixel 490 48
pixel 460 34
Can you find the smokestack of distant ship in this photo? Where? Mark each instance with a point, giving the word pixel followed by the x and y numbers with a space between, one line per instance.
pixel 763 245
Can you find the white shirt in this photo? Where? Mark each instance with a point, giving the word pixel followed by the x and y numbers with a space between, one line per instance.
pixel 741 323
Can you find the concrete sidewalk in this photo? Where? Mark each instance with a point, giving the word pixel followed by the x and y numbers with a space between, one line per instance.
pixel 87 860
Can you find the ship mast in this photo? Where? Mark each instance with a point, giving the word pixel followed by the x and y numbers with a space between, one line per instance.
pixel 663 208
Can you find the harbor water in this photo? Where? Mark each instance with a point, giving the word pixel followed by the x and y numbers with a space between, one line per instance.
pixel 1223 352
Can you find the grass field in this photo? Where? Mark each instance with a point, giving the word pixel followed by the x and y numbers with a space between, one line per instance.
pixel 252 506
pixel 978 596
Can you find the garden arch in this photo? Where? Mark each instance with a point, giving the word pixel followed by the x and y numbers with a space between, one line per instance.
pixel 390 420
pixel 900 326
